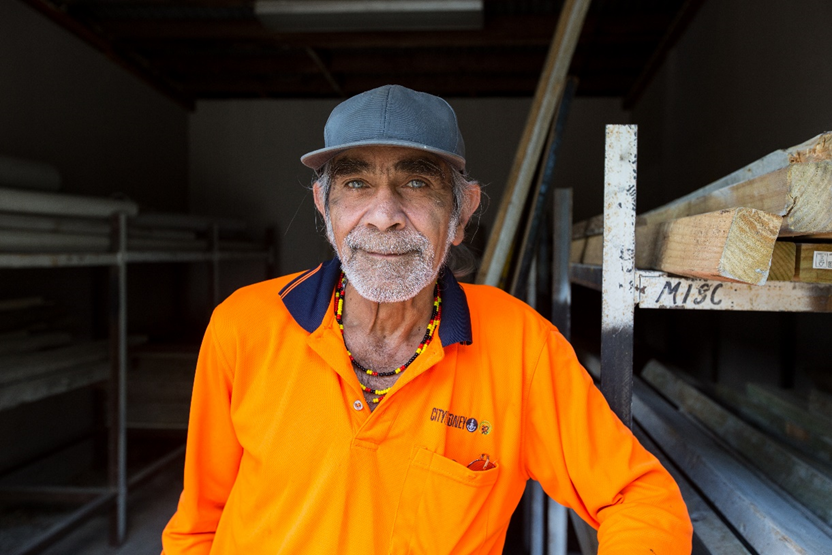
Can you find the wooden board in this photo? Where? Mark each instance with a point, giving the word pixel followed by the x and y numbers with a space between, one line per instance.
pixel 816 447
pixel 783 262
pixel 806 483
pixel 548 92
pixel 814 262
pixel 711 536
pixel 747 501
pixel 801 193
pixel 593 251
pixel 820 403
pixel 579 230
pixel 789 406
pixel 59 204
pixel 52 383
pixel 576 251
pixel 22 367
pixel 729 245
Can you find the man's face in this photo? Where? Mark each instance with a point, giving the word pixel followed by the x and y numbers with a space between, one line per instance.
pixel 390 219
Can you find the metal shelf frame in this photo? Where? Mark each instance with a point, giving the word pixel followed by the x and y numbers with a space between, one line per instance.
pixel 624 287
pixel 114 495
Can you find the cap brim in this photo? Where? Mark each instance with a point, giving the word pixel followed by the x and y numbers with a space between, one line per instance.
pixel 317 158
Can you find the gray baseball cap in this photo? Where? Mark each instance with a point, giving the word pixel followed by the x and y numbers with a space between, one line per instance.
pixel 391 115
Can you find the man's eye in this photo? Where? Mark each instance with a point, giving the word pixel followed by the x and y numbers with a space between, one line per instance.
pixel 354 184
pixel 416 184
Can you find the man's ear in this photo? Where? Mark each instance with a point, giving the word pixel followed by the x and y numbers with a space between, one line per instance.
pixel 318 194
pixel 470 203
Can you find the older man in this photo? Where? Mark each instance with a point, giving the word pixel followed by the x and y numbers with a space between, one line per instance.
pixel 374 405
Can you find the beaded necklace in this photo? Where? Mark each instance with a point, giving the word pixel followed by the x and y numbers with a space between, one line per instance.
pixel 433 324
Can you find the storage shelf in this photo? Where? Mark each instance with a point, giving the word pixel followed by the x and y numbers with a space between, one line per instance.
pixel 75 260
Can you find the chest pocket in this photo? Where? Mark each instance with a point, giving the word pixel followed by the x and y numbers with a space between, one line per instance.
pixel 442 507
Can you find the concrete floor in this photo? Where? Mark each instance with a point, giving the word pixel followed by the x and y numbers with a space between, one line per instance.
pixel 149 509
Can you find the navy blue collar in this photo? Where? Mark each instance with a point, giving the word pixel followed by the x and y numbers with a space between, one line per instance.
pixel 307 297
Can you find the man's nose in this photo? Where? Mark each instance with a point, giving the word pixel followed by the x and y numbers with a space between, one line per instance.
pixel 387 212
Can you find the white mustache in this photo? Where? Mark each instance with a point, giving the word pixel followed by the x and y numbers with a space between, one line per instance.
pixel 387 242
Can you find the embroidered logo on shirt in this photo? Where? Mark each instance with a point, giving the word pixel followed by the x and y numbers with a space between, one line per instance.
pixel 460 421
pixel 471 425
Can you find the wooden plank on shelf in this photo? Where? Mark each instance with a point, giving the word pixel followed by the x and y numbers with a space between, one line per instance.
pixel 52 383
pixel 593 251
pixel 805 482
pixel 791 407
pixel 820 403
pixel 26 366
pixel 38 202
pixel 193 222
pixel 85 226
pixel 579 230
pixel 783 261
pixel 549 90
pixel 729 245
pixel 20 240
pixel 817 448
pixel 816 149
pixel 711 536
pixel 576 250
pixel 813 262
pixel 801 193
pixel 747 501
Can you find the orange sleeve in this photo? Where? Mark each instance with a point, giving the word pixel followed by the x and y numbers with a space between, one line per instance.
pixel 213 453
pixel 586 459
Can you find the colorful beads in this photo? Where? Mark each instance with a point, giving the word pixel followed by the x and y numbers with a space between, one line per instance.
pixel 433 325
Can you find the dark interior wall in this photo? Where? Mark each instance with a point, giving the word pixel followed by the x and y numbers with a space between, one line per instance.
pixel 747 78
pixel 107 133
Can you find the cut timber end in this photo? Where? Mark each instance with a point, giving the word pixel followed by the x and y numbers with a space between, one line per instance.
pixel 783 262
pixel 816 149
pixel 811 191
pixel 750 245
pixel 729 245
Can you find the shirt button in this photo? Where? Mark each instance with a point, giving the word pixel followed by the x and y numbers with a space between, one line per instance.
pixel 358 405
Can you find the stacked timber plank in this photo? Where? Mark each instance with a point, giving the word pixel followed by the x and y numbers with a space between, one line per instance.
pixel 37 362
pixel 769 220
pixel 753 492
pixel 51 222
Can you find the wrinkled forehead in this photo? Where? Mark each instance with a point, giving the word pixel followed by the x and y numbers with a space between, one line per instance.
pixel 387 160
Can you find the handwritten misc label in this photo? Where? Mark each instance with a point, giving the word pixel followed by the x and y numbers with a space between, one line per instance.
pixel 822 260
pixel 674 295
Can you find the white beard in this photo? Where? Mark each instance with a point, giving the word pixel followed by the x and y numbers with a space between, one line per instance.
pixel 394 279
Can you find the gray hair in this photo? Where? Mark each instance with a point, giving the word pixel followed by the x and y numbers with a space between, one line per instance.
pixel 460 260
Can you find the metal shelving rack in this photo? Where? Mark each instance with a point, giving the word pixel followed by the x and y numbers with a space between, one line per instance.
pixel 117 260
pixel 623 287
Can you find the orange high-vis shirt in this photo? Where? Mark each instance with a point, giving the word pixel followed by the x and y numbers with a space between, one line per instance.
pixel 284 456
